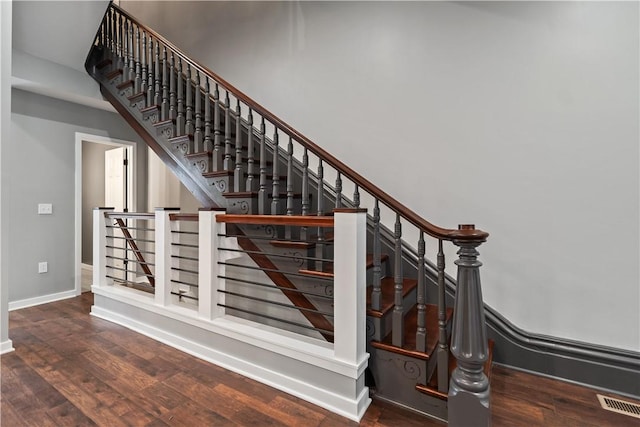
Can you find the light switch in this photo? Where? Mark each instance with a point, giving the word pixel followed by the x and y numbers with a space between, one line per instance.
pixel 45 208
pixel 43 267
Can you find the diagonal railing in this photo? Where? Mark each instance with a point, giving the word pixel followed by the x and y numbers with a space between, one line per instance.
pixel 204 106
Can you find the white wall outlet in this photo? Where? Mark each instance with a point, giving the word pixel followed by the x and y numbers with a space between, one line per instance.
pixel 43 267
pixel 45 208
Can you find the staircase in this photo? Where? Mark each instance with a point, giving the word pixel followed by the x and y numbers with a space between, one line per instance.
pixel 232 153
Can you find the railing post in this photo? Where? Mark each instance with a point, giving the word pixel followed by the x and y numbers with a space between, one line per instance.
pixel 163 255
pixel 469 386
pixel 350 234
pixel 100 250
pixel 208 270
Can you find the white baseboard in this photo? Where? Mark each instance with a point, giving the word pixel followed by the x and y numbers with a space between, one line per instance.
pixel 87 267
pixel 6 347
pixel 44 299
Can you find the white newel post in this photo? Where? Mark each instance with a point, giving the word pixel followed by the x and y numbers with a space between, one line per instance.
pixel 163 255
pixel 100 250
pixel 349 288
pixel 208 268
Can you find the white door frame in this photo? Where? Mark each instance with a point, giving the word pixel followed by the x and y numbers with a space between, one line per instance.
pixel 85 137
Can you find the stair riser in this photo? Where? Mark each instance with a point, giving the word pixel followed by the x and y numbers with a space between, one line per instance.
pixel 396 376
pixel 381 326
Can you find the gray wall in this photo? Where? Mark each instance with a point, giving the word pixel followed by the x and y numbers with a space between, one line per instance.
pixel 521 117
pixel 38 166
pixel 92 192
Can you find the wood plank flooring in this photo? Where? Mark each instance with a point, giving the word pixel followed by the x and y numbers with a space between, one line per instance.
pixel 70 369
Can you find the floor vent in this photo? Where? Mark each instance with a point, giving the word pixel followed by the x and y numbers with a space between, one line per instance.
pixel 619 406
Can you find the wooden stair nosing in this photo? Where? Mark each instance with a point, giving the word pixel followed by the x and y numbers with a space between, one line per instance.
pixel 217 174
pixel 197 155
pixel 150 108
pixel 431 388
pixel 292 244
pixel 409 348
pixel 387 285
pixel 328 270
pixel 105 62
pixel 113 74
pixel 124 85
pixel 249 194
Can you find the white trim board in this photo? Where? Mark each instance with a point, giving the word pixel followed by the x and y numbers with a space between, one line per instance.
pixel 6 347
pixel 231 344
pixel 43 299
pixel 85 137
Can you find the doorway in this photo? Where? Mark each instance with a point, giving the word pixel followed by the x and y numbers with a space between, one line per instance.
pixel 105 175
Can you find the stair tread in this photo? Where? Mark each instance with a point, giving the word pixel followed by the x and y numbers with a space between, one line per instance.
pixel 163 123
pixel 103 63
pixel 150 108
pixel 431 388
pixel 217 174
pixel 292 244
pixel 243 194
pixel 181 138
pixel 387 285
pixel 124 84
pixel 327 271
pixel 136 95
pixel 198 154
pixel 411 321
pixel 113 74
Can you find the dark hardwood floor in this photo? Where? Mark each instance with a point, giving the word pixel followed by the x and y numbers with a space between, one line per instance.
pixel 70 369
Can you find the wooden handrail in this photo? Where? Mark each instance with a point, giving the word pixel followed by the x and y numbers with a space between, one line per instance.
pixel 461 234
pixel 296 220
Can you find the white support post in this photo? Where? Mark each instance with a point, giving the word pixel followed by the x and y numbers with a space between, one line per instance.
pixel 100 250
pixel 163 255
pixel 208 268
pixel 349 287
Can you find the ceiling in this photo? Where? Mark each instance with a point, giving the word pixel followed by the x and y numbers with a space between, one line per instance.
pixel 58 31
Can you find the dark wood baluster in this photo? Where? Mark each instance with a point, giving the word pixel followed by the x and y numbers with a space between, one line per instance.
pixel 338 191
pixel 305 192
pixel 238 173
pixel 188 127
pixel 120 42
pixel 137 84
pixel 320 188
pixel 164 109
pixel 398 310
pixel 251 157
pixel 262 192
pixel 132 64
pixel 290 177
pixel 150 80
pixel 217 133
pixel 320 246
pixel 288 230
pixel 421 332
pixel 275 192
pixel 102 39
pixel 125 51
pixel 157 95
pixel 179 83
pixel 173 108
pixel 109 32
pixel 376 292
pixel 443 346
pixel 469 393
pixel 228 161
pixel 356 197
pixel 197 136
pixel 208 141
pixel 143 63
pixel 114 34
